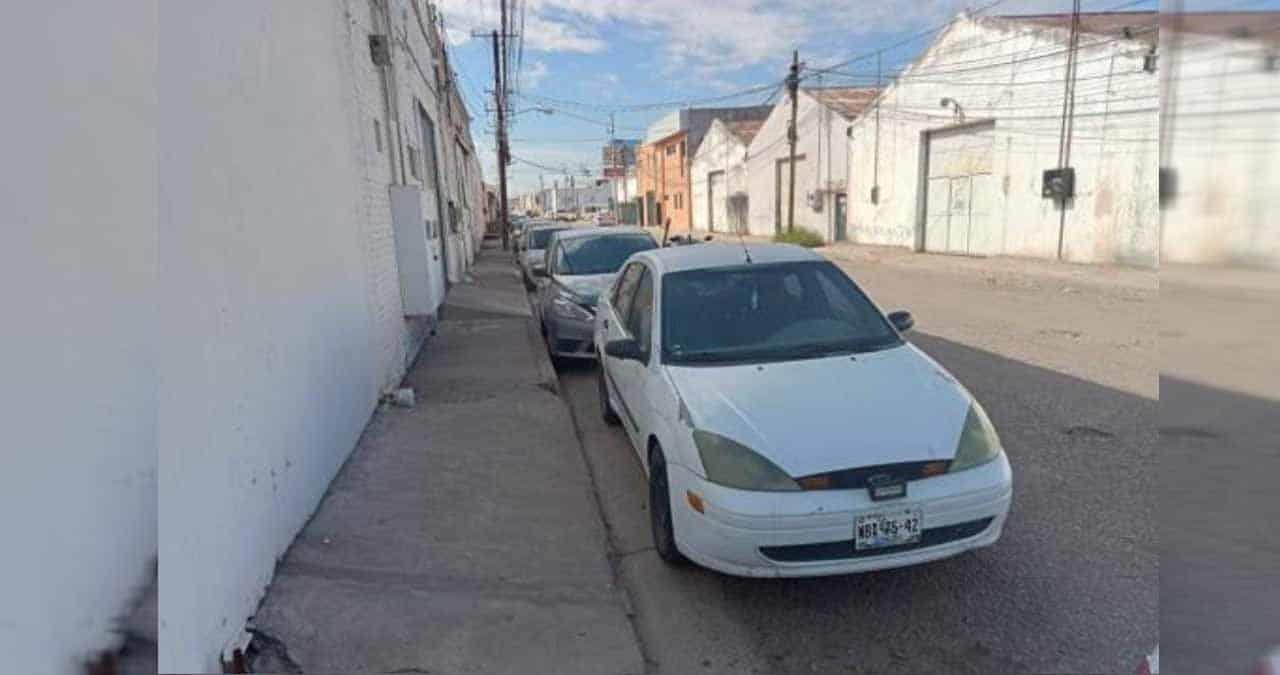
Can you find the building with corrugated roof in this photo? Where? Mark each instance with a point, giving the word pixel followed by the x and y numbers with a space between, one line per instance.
pixel 821 165
pixel 718 176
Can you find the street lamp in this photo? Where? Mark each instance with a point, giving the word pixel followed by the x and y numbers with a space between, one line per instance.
pixel 947 101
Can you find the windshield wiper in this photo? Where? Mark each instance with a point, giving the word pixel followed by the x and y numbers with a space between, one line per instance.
pixel 706 356
pixel 819 350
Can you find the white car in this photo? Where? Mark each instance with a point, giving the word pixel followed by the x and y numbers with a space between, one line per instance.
pixel 786 427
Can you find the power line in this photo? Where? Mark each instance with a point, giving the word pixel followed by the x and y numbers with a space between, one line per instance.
pixel 639 107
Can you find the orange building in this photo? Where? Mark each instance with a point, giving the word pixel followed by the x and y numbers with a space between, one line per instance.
pixel 662 179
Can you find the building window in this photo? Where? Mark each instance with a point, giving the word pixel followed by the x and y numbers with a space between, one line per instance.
pixel 413 161
pixel 671 149
pixel 682 148
pixel 377 134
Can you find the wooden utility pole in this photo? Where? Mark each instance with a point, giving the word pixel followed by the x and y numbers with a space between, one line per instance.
pixel 501 104
pixel 793 86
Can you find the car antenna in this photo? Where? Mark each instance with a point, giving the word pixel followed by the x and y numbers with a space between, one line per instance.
pixel 746 252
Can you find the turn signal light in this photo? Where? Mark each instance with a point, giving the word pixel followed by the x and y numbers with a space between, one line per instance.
pixel 934 469
pixel 819 482
pixel 695 502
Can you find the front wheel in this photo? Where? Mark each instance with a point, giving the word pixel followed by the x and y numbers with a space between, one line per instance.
pixel 664 536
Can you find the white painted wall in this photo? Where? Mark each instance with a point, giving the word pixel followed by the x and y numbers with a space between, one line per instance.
pixel 720 150
pixel 1221 138
pixel 822 161
pixel 77 281
pixel 279 284
pixel 1114 215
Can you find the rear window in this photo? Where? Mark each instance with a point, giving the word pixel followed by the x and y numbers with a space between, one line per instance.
pixel 539 238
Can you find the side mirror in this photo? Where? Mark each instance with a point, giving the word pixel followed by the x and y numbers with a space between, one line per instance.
pixel 902 320
pixel 624 348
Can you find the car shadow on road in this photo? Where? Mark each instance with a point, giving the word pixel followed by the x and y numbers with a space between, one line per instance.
pixel 1220 560
pixel 1071 586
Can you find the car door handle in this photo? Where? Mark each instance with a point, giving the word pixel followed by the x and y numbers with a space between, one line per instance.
pixel 605 323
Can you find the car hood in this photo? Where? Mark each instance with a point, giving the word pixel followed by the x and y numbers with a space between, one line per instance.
pixel 818 415
pixel 586 286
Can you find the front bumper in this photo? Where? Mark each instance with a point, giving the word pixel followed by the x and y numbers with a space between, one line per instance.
pixel 795 534
pixel 569 338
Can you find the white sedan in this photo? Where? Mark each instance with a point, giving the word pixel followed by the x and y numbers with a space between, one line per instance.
pixel 786 427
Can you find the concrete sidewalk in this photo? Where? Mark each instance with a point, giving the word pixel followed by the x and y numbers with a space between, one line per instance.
pixel 463 534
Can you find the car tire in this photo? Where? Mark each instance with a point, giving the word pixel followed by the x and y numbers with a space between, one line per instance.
pixel 664 536
pixel 607 412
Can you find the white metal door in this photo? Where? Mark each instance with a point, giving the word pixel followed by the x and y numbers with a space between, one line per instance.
pixel 958 203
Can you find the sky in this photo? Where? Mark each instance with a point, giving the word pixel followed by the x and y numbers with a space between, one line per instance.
pixel 609 53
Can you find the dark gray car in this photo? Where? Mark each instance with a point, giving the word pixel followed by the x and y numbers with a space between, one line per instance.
pixel 580 264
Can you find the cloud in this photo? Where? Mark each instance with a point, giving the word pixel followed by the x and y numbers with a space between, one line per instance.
pixel 543 31
pixel 532 75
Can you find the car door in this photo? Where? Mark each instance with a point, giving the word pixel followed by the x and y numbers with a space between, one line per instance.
pixel 632 378
pixel 613 326
pixel 545 288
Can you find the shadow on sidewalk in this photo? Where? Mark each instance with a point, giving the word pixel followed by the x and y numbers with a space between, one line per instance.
pixel 462 533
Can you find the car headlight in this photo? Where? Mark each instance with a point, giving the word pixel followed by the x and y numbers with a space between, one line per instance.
pixel 569 308
pixel 979 443
pixel 734 465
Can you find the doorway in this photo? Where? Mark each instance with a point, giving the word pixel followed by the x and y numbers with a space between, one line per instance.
pixel 431 188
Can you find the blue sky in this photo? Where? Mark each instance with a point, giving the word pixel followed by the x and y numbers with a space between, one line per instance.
pixel 626 52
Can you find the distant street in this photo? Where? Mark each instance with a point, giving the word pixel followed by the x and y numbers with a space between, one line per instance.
pixel 1073 584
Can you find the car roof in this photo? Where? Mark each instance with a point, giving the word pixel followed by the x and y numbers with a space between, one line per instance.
pixel 723 254
pixel 584 232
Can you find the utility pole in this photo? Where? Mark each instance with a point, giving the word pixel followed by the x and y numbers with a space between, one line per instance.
pixel 793 86
pixel 501 104
pixel 499 38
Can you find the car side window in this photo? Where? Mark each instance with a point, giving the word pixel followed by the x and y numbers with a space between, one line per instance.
pixel 625 289
pixel 640 318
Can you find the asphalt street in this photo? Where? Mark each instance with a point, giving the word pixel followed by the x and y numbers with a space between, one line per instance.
pixel 1073 585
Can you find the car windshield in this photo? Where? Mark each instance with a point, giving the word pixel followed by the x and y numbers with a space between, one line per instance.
pixel 770 311
pixel 538 238
pixel 600 255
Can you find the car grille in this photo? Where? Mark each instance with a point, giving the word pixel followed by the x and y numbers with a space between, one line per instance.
pixel 856 479
pixel 843 550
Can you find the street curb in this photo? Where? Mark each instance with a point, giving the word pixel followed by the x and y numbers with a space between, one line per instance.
pixel 547 377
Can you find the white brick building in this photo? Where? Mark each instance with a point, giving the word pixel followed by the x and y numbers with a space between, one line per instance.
pixel 319 185
pixel 967 178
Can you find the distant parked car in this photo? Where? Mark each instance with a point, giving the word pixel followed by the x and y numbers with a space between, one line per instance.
pixel 532 250
pixel 786 427
pixel 605 218
pixel 581 262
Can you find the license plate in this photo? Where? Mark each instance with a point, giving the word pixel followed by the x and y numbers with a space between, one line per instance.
pixel 886 528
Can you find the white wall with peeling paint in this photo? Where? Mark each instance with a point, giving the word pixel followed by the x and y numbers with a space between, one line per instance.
pixel 1012 73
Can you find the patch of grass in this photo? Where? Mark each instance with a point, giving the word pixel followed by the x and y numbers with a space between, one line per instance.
pixel 800 237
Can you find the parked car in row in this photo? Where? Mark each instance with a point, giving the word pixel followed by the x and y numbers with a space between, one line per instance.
pixel 786 427
pixel 604 218
pixel 579 264
pixel 531 250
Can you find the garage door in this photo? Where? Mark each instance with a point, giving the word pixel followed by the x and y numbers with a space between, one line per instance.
pixel 958 204
pixel 715 201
